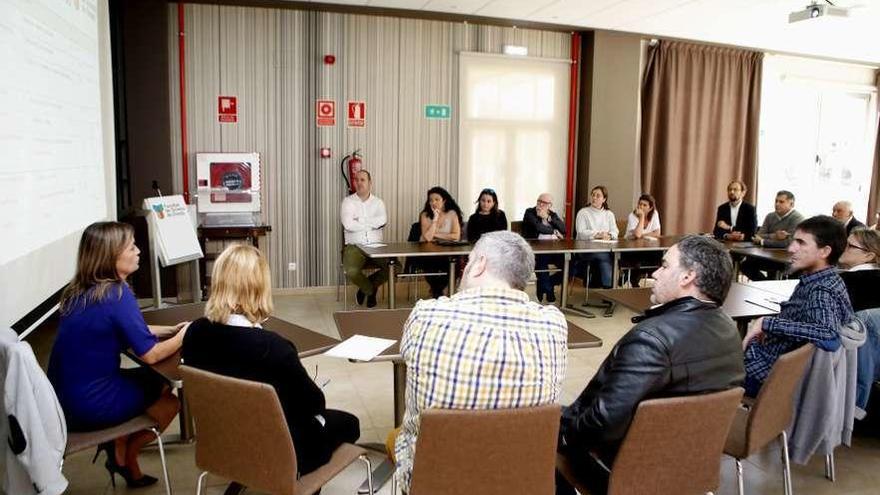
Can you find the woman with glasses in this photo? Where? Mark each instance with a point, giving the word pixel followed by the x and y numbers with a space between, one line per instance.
pixel 487 217
pixel 861 259
pixel 596 221
pixel 862 276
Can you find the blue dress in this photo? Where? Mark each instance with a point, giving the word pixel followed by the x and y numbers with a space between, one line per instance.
pixel 84 366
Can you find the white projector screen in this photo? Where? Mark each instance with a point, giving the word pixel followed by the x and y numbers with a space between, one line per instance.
pixel 56 142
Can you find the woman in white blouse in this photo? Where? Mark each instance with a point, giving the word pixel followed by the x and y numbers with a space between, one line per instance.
pixel 596 221
pixel 644 220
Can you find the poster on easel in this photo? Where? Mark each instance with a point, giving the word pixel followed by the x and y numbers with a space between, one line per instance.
pixel 173 229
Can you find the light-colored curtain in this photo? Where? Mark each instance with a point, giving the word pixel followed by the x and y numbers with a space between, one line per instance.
pixel 700 114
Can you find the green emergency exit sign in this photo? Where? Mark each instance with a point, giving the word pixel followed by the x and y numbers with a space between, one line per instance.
pixel 437 111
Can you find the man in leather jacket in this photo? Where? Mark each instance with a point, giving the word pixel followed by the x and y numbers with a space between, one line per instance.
pixel 685 345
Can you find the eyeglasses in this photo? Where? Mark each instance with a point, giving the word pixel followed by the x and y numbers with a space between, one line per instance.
pixel 542 202
pixel 855 246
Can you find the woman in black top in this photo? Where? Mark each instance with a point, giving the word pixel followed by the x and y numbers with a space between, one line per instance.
pixel 487 217
pixel 230 341
pixel 862 275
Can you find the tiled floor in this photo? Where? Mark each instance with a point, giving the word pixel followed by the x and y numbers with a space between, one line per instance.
pixel 366 391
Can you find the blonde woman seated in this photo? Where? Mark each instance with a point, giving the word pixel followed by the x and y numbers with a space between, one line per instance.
pixel 231 341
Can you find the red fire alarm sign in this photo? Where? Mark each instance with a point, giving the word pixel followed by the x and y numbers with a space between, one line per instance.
pixel 325 113
pixel 357 114
pixel 227 109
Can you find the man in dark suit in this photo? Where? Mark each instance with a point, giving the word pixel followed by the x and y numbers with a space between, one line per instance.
pixel 735 220
pixel 842 212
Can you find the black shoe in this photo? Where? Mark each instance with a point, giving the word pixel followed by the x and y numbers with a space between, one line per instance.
pixel 359 297
pixel 130 481
pixel 539 294
pixel 114 469
pixel 371 301
pixel 551 297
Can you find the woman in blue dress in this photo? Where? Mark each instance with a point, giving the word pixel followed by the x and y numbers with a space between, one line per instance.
pixel 100 318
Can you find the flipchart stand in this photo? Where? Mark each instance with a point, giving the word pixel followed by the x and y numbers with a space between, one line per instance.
pixel 156 265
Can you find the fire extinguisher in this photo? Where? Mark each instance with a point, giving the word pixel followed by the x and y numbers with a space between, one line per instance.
pixel 355 165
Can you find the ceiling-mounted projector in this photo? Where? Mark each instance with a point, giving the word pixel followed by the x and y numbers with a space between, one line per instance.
pixel 816 10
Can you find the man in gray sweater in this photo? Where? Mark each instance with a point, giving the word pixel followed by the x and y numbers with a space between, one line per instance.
pixel 775 232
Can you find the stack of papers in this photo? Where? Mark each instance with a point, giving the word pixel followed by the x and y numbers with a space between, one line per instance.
pixel 360 348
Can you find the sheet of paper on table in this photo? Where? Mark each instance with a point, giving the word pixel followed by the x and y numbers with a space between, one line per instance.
pixel 360 348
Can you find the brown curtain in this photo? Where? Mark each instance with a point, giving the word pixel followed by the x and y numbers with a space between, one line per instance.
pixel 700 109
pixel 874 197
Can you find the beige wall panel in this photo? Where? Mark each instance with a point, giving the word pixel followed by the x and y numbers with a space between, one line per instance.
pixel 614 140
pixel 272 60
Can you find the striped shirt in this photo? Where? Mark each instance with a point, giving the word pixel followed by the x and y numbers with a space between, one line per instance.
pixel 483 348
pixel 818 306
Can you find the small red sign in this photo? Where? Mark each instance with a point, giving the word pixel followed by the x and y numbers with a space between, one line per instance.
pixel 357 114
pixel 325 113
pixel 227 109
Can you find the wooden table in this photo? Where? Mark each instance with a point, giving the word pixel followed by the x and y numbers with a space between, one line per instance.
pixel 743 303
pixel 778 256
pixel 661 243
pixel 393 251
pixel 307 342
pixel 207 233
pixel 388 324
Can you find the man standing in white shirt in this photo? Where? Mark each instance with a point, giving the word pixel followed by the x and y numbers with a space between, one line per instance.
pixel 363 218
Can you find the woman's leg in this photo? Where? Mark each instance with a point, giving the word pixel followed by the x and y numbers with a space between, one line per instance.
pixel 163 411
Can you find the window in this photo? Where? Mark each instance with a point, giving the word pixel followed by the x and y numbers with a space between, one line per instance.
pixel 817 135
pixel 514 130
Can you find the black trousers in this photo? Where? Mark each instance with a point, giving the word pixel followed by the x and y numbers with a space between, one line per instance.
pixel 315 445
pixel 588 470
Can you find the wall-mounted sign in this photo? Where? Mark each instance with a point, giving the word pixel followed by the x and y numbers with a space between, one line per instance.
pixel 438 112
pixel 227 109
pixel 325 113
pixel 357 114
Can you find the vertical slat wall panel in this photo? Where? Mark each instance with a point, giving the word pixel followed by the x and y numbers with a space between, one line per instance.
pixel 272 60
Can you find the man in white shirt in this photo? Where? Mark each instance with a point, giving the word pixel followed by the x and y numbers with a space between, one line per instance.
pixel 363 217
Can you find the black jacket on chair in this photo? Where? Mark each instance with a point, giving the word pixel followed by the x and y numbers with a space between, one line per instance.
pixel 683 347
pixel 746 220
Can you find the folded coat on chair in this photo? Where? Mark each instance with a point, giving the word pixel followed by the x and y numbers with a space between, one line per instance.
pixel 825 401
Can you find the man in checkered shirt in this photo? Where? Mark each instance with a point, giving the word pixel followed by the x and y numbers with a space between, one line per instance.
pixel 486 347
pixel 818 306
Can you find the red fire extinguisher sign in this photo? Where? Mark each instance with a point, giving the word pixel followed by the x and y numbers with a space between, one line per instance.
pixel 357 114
pixel 227 109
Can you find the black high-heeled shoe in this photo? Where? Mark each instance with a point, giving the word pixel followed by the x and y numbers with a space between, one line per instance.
pixel 130 480
pixel 114 468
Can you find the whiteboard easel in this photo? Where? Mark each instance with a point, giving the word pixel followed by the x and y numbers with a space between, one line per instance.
pixel 159 251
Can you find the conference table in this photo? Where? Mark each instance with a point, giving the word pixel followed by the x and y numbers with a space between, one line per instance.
pixel 307 342
pixel 565 247
pixel 743 303
pixel 388 324
pixel 778 256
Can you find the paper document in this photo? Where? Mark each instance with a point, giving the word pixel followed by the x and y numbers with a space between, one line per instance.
pixel 604 241
pixel 765 303
pixel 360 348
pixel 651 238
pixel 375 245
